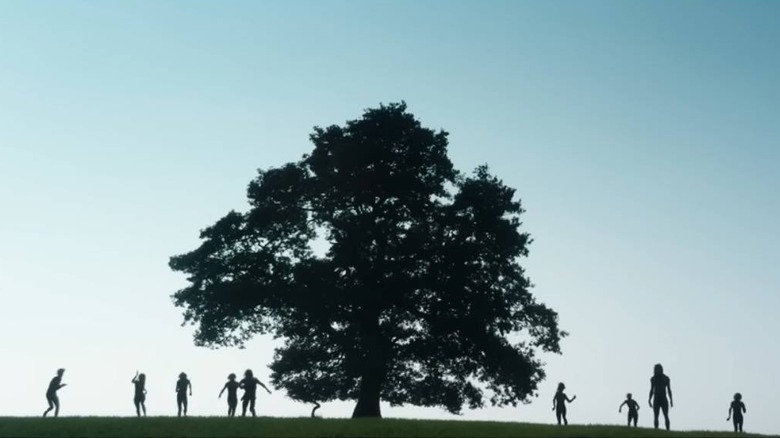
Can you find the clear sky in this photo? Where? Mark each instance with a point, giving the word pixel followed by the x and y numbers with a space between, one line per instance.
pixel 642 137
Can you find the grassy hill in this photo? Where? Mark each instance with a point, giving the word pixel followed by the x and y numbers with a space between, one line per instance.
pixel 308 427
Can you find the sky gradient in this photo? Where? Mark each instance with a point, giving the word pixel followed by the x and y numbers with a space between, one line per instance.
pixel 642 138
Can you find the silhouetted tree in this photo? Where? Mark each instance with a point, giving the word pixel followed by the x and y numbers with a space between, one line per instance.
pixel 388 274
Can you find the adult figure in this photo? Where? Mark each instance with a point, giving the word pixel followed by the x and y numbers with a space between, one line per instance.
pixel 249 385
pixel 51 393
pixel 139 395
pixel 181 392
pixel 660 385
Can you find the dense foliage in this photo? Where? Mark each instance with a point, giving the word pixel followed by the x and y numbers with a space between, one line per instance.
pixel 388 274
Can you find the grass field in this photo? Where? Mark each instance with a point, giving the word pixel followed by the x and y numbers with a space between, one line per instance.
pixel 308 427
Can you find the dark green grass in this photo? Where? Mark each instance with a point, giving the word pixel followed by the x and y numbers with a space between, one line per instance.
pixel 309 427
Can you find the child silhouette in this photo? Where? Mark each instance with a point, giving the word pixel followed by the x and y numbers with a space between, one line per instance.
pixel 181 392
pixel 633 409
pixel 737 407
pixel 559 404
pixel 249 385
pixel 51 393
pixel 232 388
pixel 139 399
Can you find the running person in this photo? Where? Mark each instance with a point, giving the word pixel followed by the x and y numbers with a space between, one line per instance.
pixel 249 385
pixel 633 409
pixel 738 408
pixel 660 385
pixel 559 404
pixel 51 393
pixel 181 392
pixel 232 388
pixel 139 398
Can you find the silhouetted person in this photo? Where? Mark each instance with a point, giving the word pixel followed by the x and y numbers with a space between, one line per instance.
pixel 737 407
pixel 659 386
pixel 232 388
pixel 181 392
pixel 559 404
pixel 249 385
pixel 51 393
pixel 139 397
pixel 633 409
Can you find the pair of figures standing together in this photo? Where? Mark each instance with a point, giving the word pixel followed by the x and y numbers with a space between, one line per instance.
pixel 139 381
pixel 249 384
pixel 660 386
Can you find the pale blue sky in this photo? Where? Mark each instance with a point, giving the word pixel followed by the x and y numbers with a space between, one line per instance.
pixel 642 138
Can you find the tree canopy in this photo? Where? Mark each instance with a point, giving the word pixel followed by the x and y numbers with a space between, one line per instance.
pixel 388 274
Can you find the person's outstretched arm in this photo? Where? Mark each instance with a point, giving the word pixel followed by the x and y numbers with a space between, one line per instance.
pixel 620 409
pixel 744 409
pixel 135 378
pixel 189 384
pixel 637 406
pixel 553 403
pixel 729 417
pixel 669 390
pixel 571 399
pixel 264 387
pixel 223 390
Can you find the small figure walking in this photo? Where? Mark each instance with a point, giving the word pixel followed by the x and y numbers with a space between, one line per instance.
pixel 232 388
pixel 181 392
pixel 737 407
pixel 559 404
pixel 249 385
pixel 633 409
pixel 139 398
pixel 51 393
pixel 660 385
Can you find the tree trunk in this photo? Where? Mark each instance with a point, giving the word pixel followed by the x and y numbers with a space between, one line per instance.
pixel 373 375
pixel 368 399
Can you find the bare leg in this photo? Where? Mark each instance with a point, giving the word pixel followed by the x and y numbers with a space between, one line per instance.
pixel 656 411
pixel 666 415
pixel 51 406
pixel 244 403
